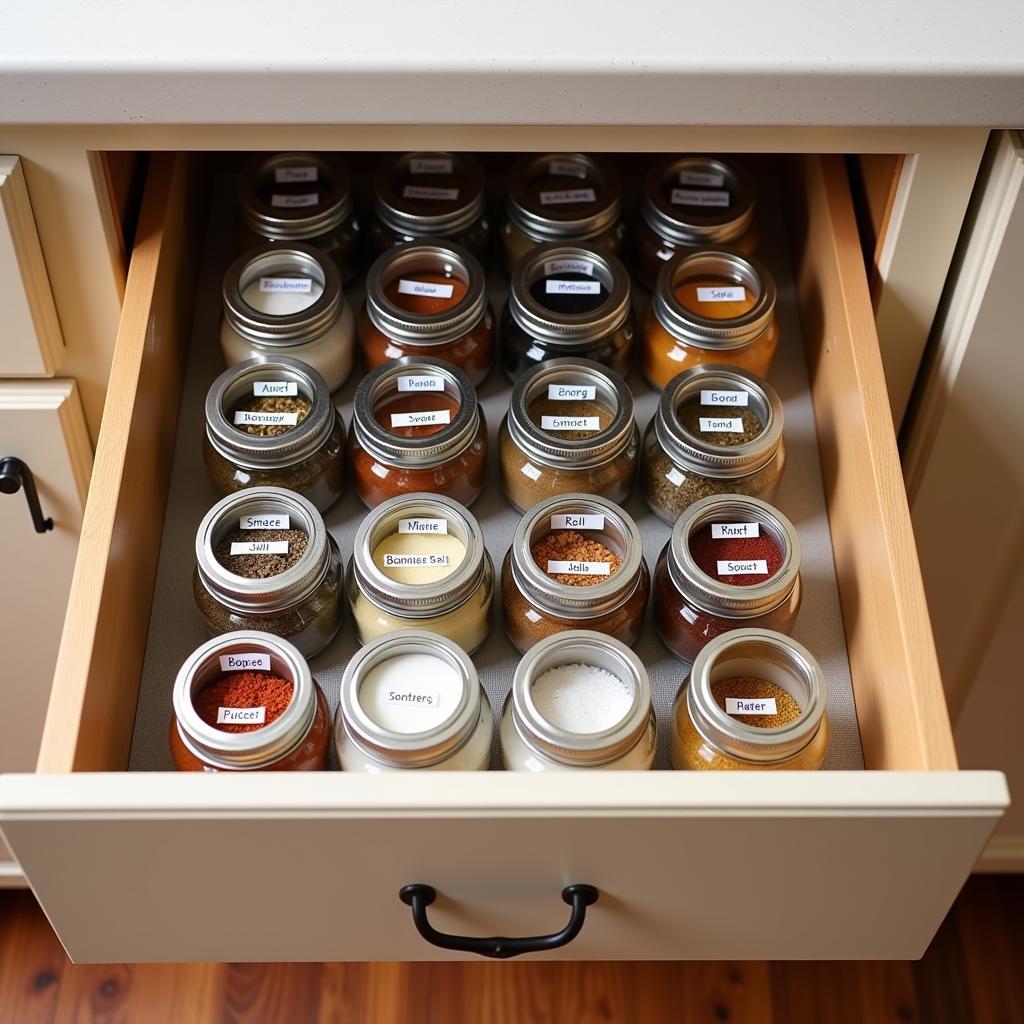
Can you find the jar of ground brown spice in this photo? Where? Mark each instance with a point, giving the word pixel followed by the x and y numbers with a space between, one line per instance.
pixel 732 561
pixel 246 701
pixel 576 562
pixel 417 426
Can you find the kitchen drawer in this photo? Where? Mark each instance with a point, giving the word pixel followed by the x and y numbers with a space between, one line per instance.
pixel 275 866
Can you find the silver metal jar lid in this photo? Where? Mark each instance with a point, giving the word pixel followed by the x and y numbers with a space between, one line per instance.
pixel 429 449
pixel 260 747
pixel 706 332
pixel 419 600
pixel 619 533
pixel 570 330
pixel 551 223
pixel 715 596
pixel 591 750
pixel 327 178
pixel 611 391
pixel 422 217
pixel 698 224
pixel 721 462
pixel 431 256
pixel 273 593
pixel 415 749
pixel 769 655
pixel 276 259
pixel 254 451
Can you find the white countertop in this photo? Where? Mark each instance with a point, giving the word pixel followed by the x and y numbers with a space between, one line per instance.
pixel 746 62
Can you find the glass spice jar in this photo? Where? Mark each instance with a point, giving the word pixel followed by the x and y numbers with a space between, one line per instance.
pixel 273 424
pixel 692 201
pixel 428 298
pixel 576 562
pixel 754 699
pixel 716 431
pixel 301 197
pixel 567 301
pixel 419 562
pixel 731 561
pixel 265 561
pixel 579 699
pixel 709 306
pixel 417 426
pixel 246 701
pixel 430 195
pixel 286 300
pixel 412 699
pixel 562 197
pixel 569 428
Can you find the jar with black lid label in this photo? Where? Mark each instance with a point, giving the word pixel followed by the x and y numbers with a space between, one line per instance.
pixel 569 428
pixel 301 197
pixel 565 300
pixel 273 424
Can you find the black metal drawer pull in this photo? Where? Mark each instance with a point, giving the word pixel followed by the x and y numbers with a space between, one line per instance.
pixel 14 475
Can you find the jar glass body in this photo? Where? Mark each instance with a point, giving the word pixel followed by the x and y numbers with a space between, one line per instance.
pixel 516 243
pixel 341 244
pixel 476 238
pixel 651 251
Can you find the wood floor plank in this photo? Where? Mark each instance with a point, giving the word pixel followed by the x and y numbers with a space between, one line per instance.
pixel 887 993
pixel 32 962
pixel 258 993
pixel 815 992
pixel 940 979
pixel 728 992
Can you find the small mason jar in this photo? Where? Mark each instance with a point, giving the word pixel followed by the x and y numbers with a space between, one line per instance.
pixel 301 601
pixel 273 424
pixel 731 562
pixel 579 699
pixel 417 425
pixel 569 428
pixel 709 306
pixel 301 197
pixel 296 738
pixel 286 300
pixel 412 699
pixel 428 299
pixel 419 562
pixel 536 605
pixel 562 197
pixel 567 301
pixel 692 201
pixel 430 195
pixel 716 431
pixel 754 699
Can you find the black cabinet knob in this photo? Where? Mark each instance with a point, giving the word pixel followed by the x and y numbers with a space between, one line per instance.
pixel 15 475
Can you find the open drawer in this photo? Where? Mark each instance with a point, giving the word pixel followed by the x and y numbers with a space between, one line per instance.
pixel 158 866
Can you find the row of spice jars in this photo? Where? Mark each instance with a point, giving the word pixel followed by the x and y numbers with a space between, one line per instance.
pixel 556 197
pixel 754 699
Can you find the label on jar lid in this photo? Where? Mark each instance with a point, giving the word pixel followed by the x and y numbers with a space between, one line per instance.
pixel 570 423
pixel 568 196
pixel 750 706
pixel 259 547
pixel 437 291
pixel 426 192
pixel 720 425
pixel 265 521
pixel 735 293
pixel 572 392
pixel 753 567
pixel 430 165
pixel 241 716
pixel 295 202
pixel 699 197
pixel 420 382
pixel 572 287
pixel 567 169
pixel 723 531
pixel 422 525
pixel 288 175
pixel 245 418
pixel 274 388
pixel 673 476
pixel 712 397
pixel 712 179
pixel 414 561
pixel 413 696
pixel 552 267
pixel 420 419
pixel 557 568
pixel 579 521
pixel 245 662
pixel 292 285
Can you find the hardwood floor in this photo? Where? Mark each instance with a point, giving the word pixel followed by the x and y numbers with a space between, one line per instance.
pixel 973 972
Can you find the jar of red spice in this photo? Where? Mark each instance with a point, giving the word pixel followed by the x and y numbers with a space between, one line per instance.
pixel 576 562
pixel 732 561
pixel 428 299
pixel 417 426
pixel 246 701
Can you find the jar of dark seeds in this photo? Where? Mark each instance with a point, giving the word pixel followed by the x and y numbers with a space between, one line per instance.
pixel 273 424
pixel 717 430
pixel 264 560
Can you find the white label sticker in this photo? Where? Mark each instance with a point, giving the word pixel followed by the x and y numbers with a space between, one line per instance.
pixel 291 285
pixel 570 423
pixel 244 418
pixel 425 192
pixel 750 706
pixel 275 388
pixel 265 521
pixel 572 287
pixel 712 397
pixel 710 179
pixel 535 352
pixel 720 425
pixel 245 662
pixel 420 419
pixel 420 383
pixel 737 293
pixel 259 547
pixel 422 525
pixel 414 561
pixel 241 716
pixel 531 471
pixel 755 567
pixel 437 291
pixel 723 531
pixel 673 476
pixel 295 202
pixel 288 175
pixel 413 698
pixel 577 522
pixel 579 568
pixel 572 392
pixel 568 196
pixel 552 267
pixel 567 169
pixel 699 197
pixel 430 165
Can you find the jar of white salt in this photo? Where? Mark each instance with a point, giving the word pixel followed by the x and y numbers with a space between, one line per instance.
pixel 579 699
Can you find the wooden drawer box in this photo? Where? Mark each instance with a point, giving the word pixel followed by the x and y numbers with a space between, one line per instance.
pixel 829 865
